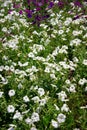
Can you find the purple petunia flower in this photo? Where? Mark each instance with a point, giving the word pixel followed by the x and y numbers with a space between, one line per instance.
pixel 60 4
pixel 51 4
pixel 77 3
pixel 9 11
pixel 20 12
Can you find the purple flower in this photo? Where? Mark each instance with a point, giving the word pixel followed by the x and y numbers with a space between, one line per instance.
pixel 9 11
pixel 29 15
pixel 20 12
pixel 60 3
pixel 76 17
pixel 51 4
pixel 77 3
pixel 38 8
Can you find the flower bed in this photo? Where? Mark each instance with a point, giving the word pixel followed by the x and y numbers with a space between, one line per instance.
pixel 43 75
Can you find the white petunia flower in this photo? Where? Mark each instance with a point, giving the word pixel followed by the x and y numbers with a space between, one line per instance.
pixel 26 99
pixel 67 81
pixel 60 32
pixel 6 68
pixel 33 128
pixel 61 118
pixel 42 102
pixel 72 88
pixel 62 96
pixel 54 123
pixel 76 33
pixel 75 59
pixel 84 62
pixel 41 91
pixel 11 93
pixel 35 117
pixel 17 115
pixel 4 29
pixel 82 81
pixel 31 55
pixel 65 108
pixel 1 68
pixel 10 109
pixel 28 121
pixel 36 99
pixel 75 42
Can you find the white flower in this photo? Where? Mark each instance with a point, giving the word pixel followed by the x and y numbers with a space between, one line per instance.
pixel 33 128
pixel 54 123
pixel 28 121
pixel 84 62
pixel 66 23
pixel 4 29
pixel 11 93
pixel 35 117
pixel 65 108
pixel 75 42
pixel 6 68
pixel 62 96
pixel 72 88
pixel 82 81
pixel 41 91
pixel 67 81
pixel 10 109
pixel 1 93
pixel 61 118
pixel 1 68
pixel 12 68
pixel 60 32
pixel 76 33
pixel 42 102
pixel 36 99
pixel 47 70
pixel 17 115
pixel 26 99
pixel 53 76
pixel 75 59
pixel 31 55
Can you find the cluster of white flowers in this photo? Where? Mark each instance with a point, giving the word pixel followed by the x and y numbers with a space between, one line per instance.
pixel 42 68
pixel 60 119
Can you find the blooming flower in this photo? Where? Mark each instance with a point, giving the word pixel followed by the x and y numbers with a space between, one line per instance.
pixel 65 108
pixel 61 118
pixel 33 128
pixel 17 115
pixel 35 117
pixel 28 121
pixel 54 123
pixel 26 99
pixel 11 93
pixel 84 62
pixel 41 91
pixel 10 109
